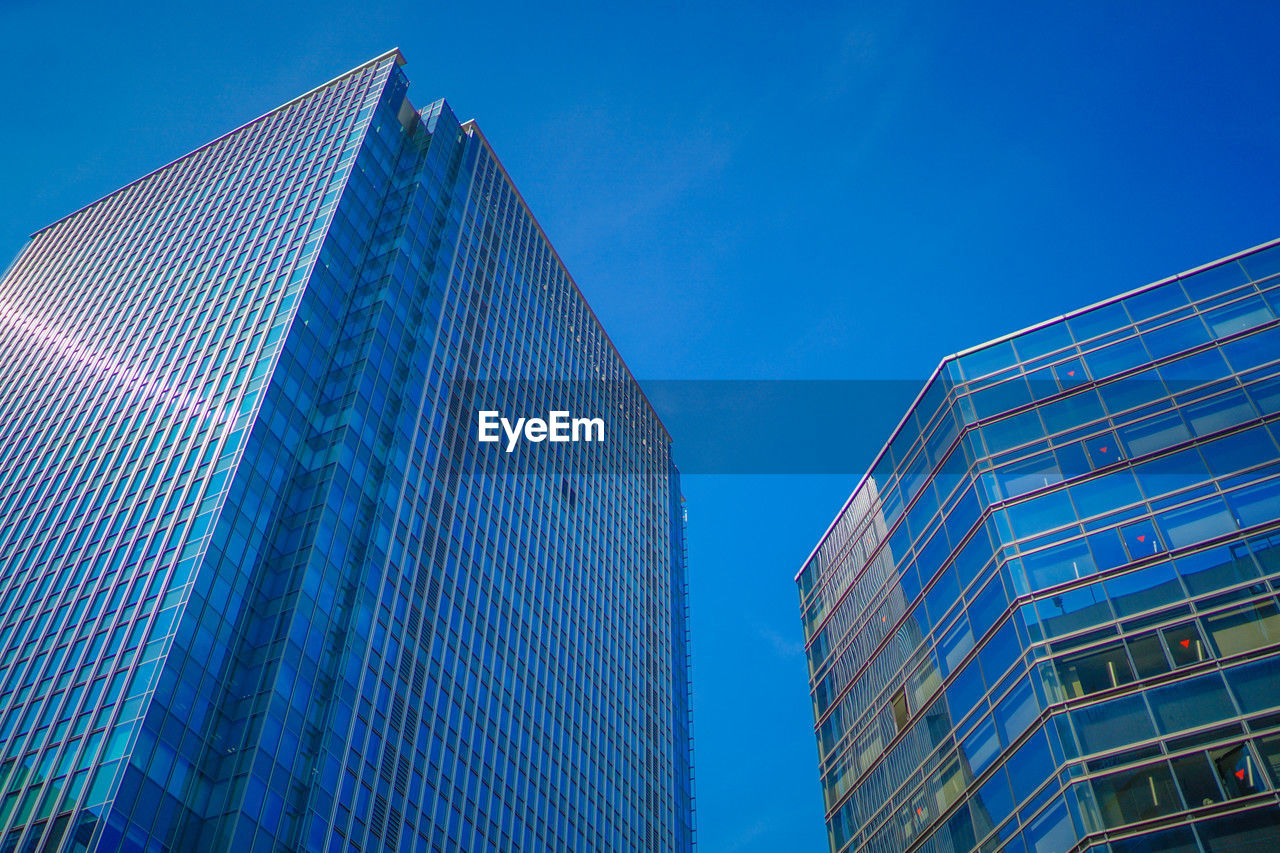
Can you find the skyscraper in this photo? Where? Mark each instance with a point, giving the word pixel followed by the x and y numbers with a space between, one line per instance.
pixel 1047 618
pixel 261 585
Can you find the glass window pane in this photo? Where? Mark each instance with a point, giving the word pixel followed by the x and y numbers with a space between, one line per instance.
pixel 1206 571
pixel 1256 504
pixel 1108 725
pixel 1106 493
pixel 1145 589
pixel 1236 452
pixel 1185 645
pixel 1244 630
pixel 1016 711
pixel 1058 564
pixel 996 797
pixel 1071 611
pixel 1261 264
pixel 1107 550
pixel 1193 370
pixel 1073 411
pixel 1214 280
pixel 1155 301
pixel 1171 473
pixel 1198 780
pixel 1270 748
pixel 1041 513
pixel 955 644
pixel 1103 450
pixel 1199 522
pixel 1000 652
pixel 1245 314
pixel 1141 539
pixel 1176 337
pixel 1148 655
pixel 1250 351
pixel 1155 433
pixel 1257 829
pixel 1093 671
pixel 1035 472
pixel 1237 772
pixel 1051 831
pixel 989 360
pixel 987 606
pixel 1133 391
pixel 1180 839
pixel 959 829
pixel 1187 704
pixel 1219 413
pixel 1042 341
pixel 1256 686
pixel 1098 321
pixel 982 746
pixel 1136 795
pixel 1002 397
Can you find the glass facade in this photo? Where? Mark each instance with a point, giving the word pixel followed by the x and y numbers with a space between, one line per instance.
pixel 260 588
pixel 1048 618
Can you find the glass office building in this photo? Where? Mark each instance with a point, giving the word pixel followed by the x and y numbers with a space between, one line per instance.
pixel 260 586
pixel 1047 619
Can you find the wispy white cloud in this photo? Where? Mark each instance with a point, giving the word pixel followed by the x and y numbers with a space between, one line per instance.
pixel 784 647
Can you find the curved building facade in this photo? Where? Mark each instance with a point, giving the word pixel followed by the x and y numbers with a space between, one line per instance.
pixel 1047 619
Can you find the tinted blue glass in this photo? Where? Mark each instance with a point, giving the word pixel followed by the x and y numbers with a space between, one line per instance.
pixel 1256 686
pixel 1107 725
pixel 1155 301
pixel 1176 337
pixel 1214 280
pixel 1190 703
pixel 1185 390
pixel 1042 341
pixel 1051 830
pixel 1106 493
pixel 966 689
pixel 302 611
pixel 1145 589
pixel 1103 319
pixel 996 797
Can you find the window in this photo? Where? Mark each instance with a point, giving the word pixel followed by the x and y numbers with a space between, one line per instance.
pixel 1103 450
pixel 1016 711
pixel 1256 686
pixel 901 714
pixel 1136 795
pixel 1071 611
pixel 1145 589
pixel 1198 780
pixel 1206 571
pixel 1058 565
pixel 1187 704
pixel 1230 319
pixel 1093 671
pixel 1255 504
pixel 1219 413
pixel 982 746
pixel 1243 630
pixel 1204 520
pixel 1110 724
pixel 1237 771
pixel 1155 433
pixel 1176 337
pixel 1105 494
pixel 1185 644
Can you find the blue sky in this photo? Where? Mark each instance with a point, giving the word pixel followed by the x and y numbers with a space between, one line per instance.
pixel 743 191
